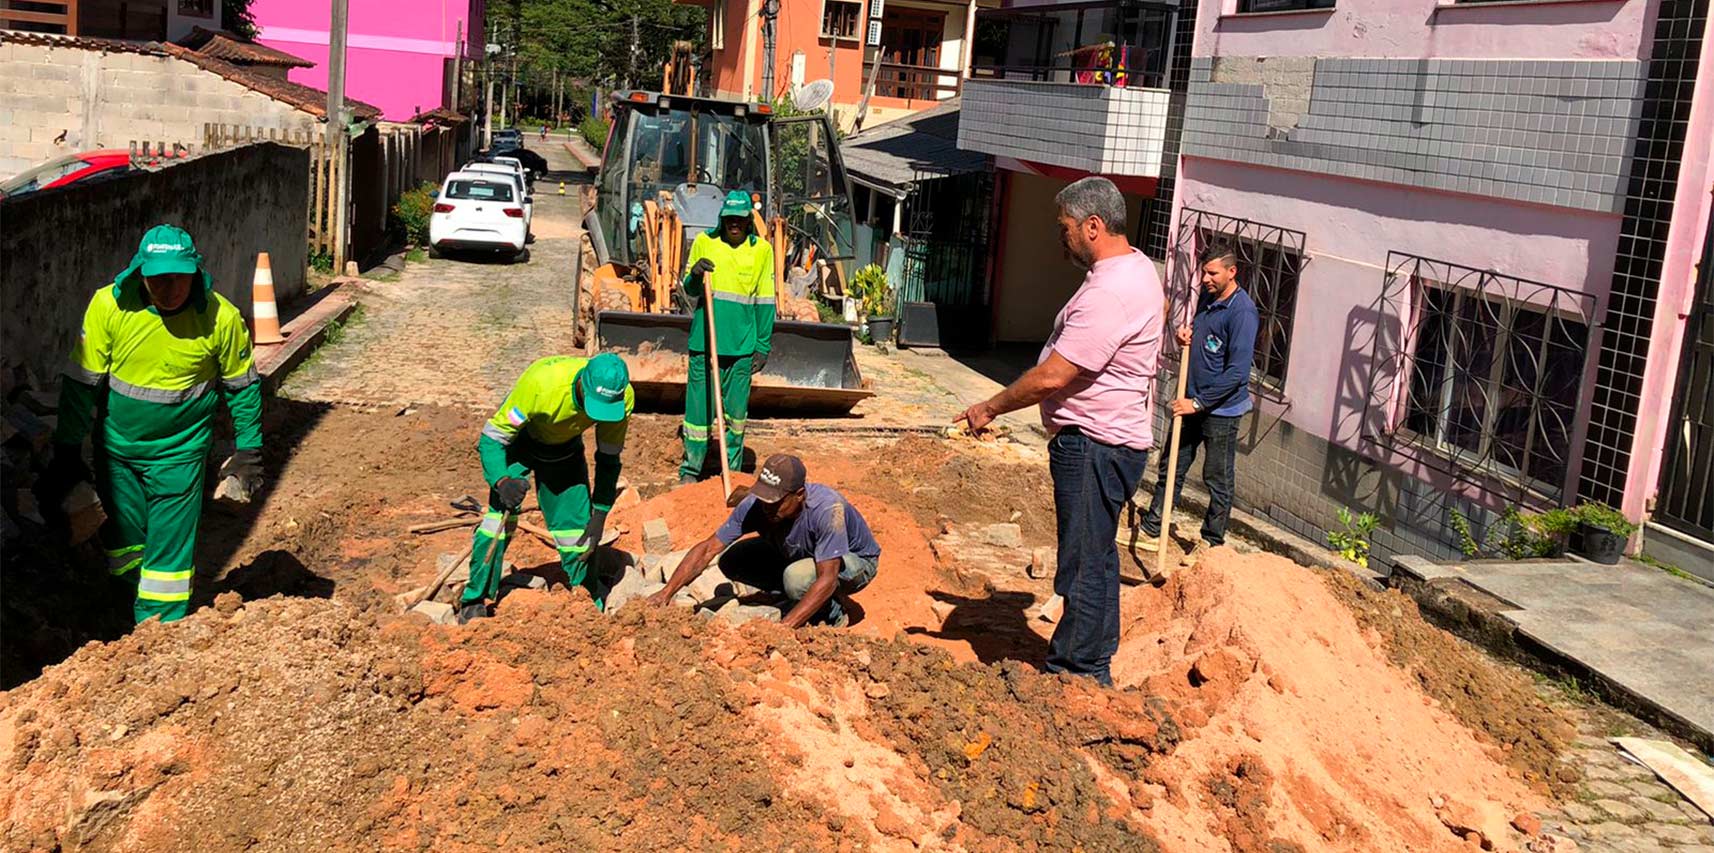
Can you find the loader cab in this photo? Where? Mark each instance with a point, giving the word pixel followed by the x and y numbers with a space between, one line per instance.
pixel 702 148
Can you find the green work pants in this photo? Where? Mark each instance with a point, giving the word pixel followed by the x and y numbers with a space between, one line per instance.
pixel 562 490
pixel 699 410
pixel 153 509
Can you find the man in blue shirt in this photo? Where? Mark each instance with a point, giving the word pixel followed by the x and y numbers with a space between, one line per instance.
pixel 1222 338
pixel 810 544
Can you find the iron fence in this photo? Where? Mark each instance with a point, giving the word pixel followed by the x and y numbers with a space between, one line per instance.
pixel 1270 259
pixel 1478 374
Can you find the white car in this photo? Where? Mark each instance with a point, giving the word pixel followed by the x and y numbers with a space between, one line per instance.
pixel 517 176
pixel 478 210
pixel 516 164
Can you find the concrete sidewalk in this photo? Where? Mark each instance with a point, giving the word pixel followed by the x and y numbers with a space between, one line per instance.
pixel 1638 635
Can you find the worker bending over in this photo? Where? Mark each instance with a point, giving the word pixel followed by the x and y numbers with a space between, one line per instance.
pixel 739 267
pixel 810 544
pixel 163 342
pixel 540 428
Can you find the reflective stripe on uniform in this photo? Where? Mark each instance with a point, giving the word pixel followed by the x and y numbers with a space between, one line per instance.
pixel 155 585
pixel 694 432
pixel 122 560
pixel 611 449
pixel 494 524
pixel 567 540
pixel 734 427
pixel 157 395
pixel 84 374
pixel 498 434
pixel 243 380
pixel 742 299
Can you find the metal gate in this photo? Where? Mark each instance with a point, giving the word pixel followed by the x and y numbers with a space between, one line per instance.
pixel 1686 500
pixel 946 252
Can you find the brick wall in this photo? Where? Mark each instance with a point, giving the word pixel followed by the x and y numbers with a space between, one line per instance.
pixel 108 100
pixel 59 246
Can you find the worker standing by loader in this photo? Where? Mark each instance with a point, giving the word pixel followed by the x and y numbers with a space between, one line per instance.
pixel 161 339
pixel 739 269
pixel 539 428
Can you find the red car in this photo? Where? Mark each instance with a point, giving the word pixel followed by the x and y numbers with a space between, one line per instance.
pixel 68 169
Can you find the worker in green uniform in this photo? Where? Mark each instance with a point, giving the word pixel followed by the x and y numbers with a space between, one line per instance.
pixel 739 268
pixel 540 428
pixel 167 347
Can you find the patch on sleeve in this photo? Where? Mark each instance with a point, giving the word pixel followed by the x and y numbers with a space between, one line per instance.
pixel 515 416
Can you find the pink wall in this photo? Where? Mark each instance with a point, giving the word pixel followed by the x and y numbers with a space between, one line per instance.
pixel 1349 228
pixel 1404 29
pixel 394 48
pixel 1690 212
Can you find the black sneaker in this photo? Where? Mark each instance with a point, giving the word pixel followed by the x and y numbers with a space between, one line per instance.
pixel 473 610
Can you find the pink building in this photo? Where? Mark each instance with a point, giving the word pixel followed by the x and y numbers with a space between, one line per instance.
pixel 399 54
pixel 1472 229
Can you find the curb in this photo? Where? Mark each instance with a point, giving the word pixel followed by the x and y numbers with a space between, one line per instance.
pixel 1475 615
pixel 1275 539
pixel 578 148
pixel 304 333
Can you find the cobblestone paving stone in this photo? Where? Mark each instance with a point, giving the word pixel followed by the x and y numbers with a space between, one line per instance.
pixel 1620 806
pixel 456 331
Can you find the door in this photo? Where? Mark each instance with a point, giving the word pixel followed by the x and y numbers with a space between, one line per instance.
pixel 809 186
pixel 1686 501
pixel 912 38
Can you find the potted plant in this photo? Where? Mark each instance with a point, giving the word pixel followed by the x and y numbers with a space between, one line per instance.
pixel 1601 533
pixel 871 286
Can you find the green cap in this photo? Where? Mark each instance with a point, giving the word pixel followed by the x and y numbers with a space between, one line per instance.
pixel 602 383
pixel 737 204
pixel 167 249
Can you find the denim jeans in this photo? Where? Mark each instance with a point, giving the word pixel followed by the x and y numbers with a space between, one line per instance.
pixel 761 564
pixel 1091 481
pixel 1220 434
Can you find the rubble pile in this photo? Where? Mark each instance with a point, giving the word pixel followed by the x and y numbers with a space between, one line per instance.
pixel 26 447
pixel 1254 713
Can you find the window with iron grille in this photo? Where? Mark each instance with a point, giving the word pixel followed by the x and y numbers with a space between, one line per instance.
pixel 1491 369
pixel 840 18
pixel 1269 261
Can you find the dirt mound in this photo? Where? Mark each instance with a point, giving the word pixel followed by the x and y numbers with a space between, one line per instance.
pixel 1297 727
pixel 289 724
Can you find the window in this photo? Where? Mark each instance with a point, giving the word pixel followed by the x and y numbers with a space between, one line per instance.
pixel 1482 371
pixel 840 18
pixel 1253 6
pixel 1270 259
pixel 197 8
pixel 478 191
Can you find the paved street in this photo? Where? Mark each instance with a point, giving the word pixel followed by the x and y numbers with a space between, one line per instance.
pixel 496 317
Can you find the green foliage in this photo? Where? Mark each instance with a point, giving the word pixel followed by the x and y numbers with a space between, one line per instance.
pixel 591 39
pixel 869 284
pixel 236 18
pixel 594 130
pixel 1606 518
pixel 1352 543
pixel 321 261
pixel 828 313
pixel 412 211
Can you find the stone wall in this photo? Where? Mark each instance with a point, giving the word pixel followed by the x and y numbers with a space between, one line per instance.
pixel 108 100
pixel 58 246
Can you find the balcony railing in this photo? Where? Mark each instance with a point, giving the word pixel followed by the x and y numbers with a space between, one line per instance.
pixel 915 82
pixel 1119 43
pixel 42 16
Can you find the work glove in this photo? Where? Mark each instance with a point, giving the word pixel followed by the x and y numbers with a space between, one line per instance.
pixel 593 530
pixel 510 492
pixel 240 476
pixel 66 469
pixel 757 362
pixel 702 267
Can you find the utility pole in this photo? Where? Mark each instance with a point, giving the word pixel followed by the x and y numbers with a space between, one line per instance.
pixel 458 72
pixel 770 11
pixel 631 69
pixel 337 137
pixel 488 97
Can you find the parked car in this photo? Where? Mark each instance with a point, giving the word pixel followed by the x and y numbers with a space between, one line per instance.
pixel 509 137
pixel 536 163
pixel 529 177
pixel 479 210
pixel 516 175
pixel 68 169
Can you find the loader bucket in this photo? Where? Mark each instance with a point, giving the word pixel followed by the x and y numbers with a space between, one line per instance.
pixel 812 370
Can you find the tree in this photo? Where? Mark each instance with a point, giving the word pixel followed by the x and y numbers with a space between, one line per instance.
pixel 591 40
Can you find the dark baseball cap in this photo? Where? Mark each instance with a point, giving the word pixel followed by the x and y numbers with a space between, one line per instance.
pixel 781 475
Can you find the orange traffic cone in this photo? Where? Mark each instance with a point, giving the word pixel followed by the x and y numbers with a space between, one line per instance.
pixel 262 301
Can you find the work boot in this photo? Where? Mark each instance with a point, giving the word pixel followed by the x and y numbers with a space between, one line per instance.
pixel 473 610
pixel 687 479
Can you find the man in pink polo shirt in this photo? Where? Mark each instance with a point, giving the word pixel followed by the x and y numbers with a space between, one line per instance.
pixel 1095 384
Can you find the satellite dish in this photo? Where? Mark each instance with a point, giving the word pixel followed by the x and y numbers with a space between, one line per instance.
pixel 813 95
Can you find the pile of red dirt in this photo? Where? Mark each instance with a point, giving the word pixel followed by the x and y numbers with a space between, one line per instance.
pixel 1259 716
